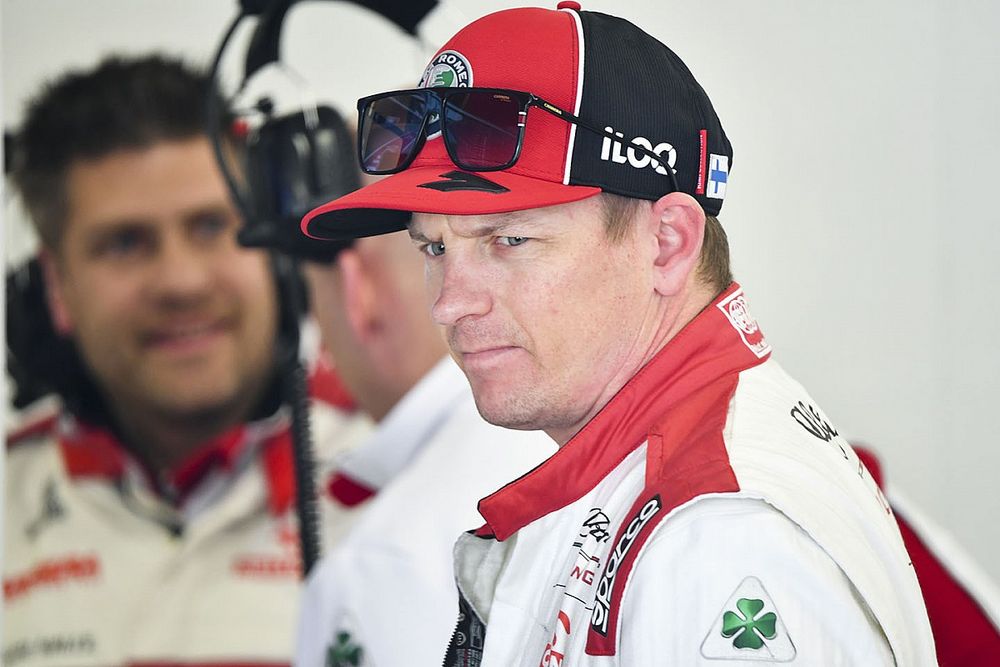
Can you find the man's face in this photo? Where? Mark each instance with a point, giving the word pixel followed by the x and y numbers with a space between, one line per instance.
pixel 328 302
pixel 545 315
pixel 170 314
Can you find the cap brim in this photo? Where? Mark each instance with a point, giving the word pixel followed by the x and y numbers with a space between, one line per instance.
pixel 385 206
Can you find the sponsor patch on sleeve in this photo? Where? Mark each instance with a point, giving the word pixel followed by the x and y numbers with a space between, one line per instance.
pixel 749 628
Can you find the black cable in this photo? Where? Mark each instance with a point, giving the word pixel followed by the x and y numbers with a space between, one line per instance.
pixel 294 383
pixel 294 389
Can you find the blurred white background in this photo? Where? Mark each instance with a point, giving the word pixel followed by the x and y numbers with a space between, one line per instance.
pixel 866 137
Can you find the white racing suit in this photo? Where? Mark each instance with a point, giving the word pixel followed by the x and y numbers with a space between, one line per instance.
pixel 709 515
pixel 100 570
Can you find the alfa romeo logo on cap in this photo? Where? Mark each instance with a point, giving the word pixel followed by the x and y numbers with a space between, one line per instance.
pixel 448 69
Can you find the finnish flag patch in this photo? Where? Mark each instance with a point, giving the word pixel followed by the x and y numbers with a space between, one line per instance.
pixel 718 175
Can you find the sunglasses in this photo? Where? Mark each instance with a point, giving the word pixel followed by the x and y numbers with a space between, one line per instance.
pixel 483 128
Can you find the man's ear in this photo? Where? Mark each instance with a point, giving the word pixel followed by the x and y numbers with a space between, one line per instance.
pixel 678 222
pixel 359 294
pixel 55 297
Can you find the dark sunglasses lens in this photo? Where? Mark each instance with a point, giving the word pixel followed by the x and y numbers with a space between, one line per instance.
pixel 390 131
pixel 481 128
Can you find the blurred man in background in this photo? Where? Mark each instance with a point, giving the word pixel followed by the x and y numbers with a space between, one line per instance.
pixel 431 458
pixel 152 518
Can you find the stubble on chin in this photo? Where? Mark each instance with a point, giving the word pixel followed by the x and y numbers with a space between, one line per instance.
pixel 523 409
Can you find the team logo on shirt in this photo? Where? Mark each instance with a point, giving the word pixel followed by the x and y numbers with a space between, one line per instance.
pixel 602 603
pixel 595 526
pixel 737 312
pixel 813 421
pixel 52 573
pixel 276 556
pixel 748 628
pixel 52 510
pixel 49 647
pixel 344 651
pixel 576 591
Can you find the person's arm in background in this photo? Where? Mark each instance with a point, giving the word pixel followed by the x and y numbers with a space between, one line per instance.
pixel 962 603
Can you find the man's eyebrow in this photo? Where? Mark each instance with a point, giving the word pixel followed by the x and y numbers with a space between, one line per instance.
pixel 497 223
pixel 110 226
pixel 416 235
pixel 200 211
pixel 501 221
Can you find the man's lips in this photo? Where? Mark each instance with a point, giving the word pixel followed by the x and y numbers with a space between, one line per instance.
pixel 188 337
pixel 486 356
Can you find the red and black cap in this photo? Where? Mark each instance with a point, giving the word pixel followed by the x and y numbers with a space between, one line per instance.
pixel 599 67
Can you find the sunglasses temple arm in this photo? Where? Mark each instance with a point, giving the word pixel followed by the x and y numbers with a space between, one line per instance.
pixel 567 116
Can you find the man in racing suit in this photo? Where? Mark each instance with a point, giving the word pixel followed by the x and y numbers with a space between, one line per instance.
pixel 151 518
pixel 565 170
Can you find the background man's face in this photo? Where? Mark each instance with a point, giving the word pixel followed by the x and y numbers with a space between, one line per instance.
pixel 541 311
pixel 168 311
pixel 328 303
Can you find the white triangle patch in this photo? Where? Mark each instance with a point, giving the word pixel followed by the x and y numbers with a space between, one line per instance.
pixel 749 628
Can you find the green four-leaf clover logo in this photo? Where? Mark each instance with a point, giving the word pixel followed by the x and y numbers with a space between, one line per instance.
pixel 344 653
pixel 749 629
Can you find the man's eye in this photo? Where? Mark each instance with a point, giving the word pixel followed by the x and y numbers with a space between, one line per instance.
pixel 512 240
pixel 209 225
pixel 122 244
pixel 435 249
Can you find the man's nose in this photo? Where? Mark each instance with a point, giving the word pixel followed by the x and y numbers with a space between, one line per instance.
pixel 459 289
pixel 181 269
